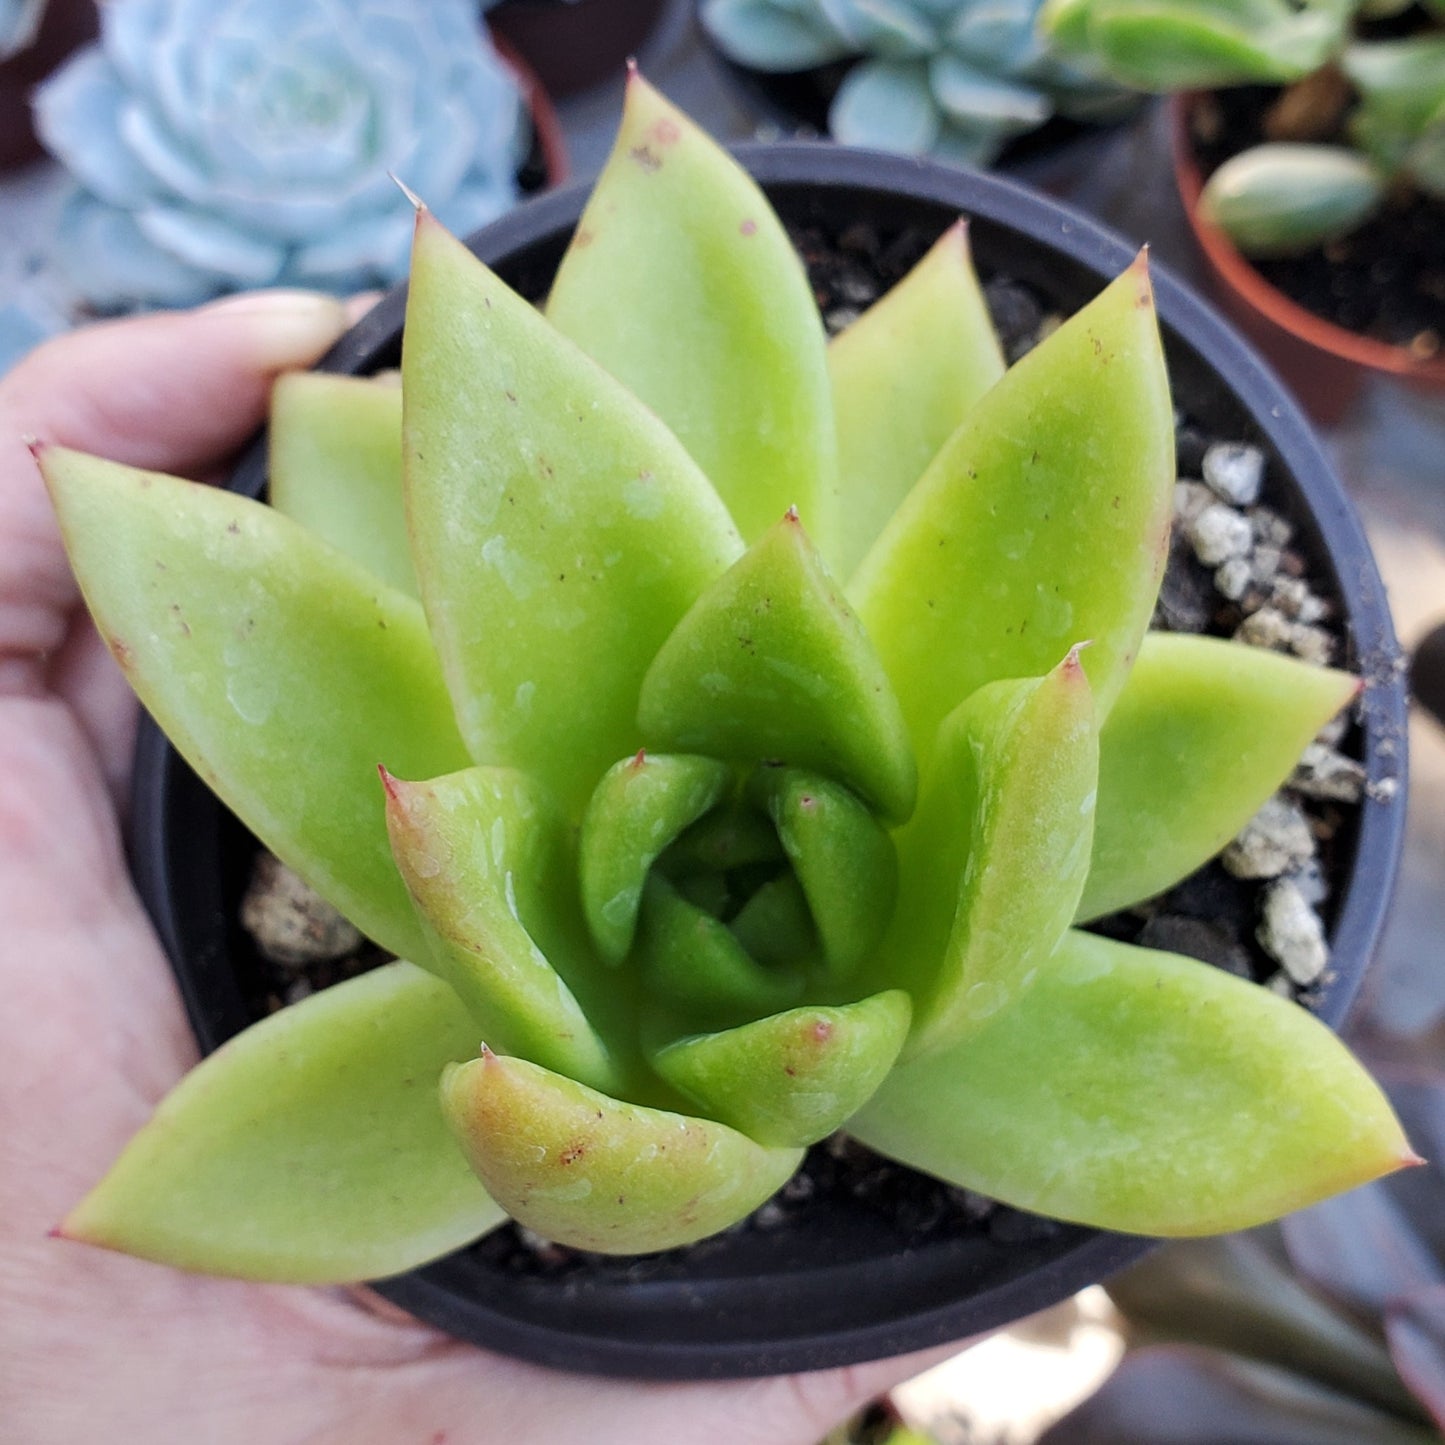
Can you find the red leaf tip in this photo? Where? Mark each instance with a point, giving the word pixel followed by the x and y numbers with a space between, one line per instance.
pixel 389 781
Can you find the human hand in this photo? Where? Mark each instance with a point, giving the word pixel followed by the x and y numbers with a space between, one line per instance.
pixel 92 1032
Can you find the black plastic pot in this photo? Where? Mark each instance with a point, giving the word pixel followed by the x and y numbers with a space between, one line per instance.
pixel 843 1286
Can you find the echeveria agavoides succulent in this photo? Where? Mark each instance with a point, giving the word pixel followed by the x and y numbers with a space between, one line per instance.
pixel 743 765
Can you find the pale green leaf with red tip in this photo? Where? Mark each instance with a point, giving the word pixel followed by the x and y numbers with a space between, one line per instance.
pixel 1139 1091
pixel 1043 521
pixel 637 810
pixel 904 375
pixel 558 528
pixel 335 467
pixel 588 1171
pixel 311 1149
pixel 1201 736
pixel 771 664
pixel 682 282
pixel 794 1078
pixel 279 668
pixel 842 857
pixel 486 864
pixel 696 973
pixel 996 857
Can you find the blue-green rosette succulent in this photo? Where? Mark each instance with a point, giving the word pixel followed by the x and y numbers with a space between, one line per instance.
pixel 955 78
pixel 220 145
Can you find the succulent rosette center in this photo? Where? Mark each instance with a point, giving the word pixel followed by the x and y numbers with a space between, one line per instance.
pixel 745 774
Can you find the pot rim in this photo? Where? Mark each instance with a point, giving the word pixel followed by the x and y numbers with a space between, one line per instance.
pixel 1236 271
pixel 669 1328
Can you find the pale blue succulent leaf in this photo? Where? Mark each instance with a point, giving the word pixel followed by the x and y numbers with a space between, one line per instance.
pixel 123 268
pixel 208 243
pixel 77 116
pixel 765 36
pixel 19 20
pixel 978 148
pixel 972 98
pixel 380 242
pixel 886 104
pixel 997 36
pixel 891 29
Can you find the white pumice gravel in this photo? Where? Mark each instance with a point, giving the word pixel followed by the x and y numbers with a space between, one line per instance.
pixel 1234 470
pixel 290 922
pixel 1269 527
pixel 1277 840
pixel 1268 627
pixel 1219 533
pixel 1190 499
pixel 1324 772
pixel 1291 933
pixel 1234 578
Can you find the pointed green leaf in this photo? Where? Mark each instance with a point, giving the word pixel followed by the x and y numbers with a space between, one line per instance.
pixel 997 855
pixel 280 669
pixel 775 925
pixel 1043 521
pixel 842 857
pixel 559 530
pixel 729 837
pixel 692 963
pixel 489 875
pixel 903 376
pixel 771 665
pixel 791 1079
pixel 335 467
pixel 1202 734
pixel 590 1172
pixel 309 1150
pixel 639 807
pixel 1140 1091
pixel 682 282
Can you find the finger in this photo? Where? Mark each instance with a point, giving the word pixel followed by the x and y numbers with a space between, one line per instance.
pixel 470 1397
pixel 172 392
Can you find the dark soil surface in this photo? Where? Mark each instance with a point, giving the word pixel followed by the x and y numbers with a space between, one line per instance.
pixel 1385 280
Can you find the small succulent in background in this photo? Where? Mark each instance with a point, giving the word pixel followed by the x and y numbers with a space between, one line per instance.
pixel 232 144
pixel 955 78
pixel 1294 192
pixel 714 852
pixel 1327 1329
pixel 19 20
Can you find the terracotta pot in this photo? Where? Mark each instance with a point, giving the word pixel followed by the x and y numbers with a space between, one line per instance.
pixel 65 25
pixel 549 144
pixel 1324 364
pixel 841 1283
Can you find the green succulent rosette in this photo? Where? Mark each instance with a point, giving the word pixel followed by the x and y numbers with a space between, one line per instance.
pixel 744 773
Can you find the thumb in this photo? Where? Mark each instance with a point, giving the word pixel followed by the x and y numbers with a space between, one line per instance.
pixel 175 392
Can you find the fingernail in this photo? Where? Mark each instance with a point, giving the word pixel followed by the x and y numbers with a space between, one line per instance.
pixel 357 306
pixel 286 328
